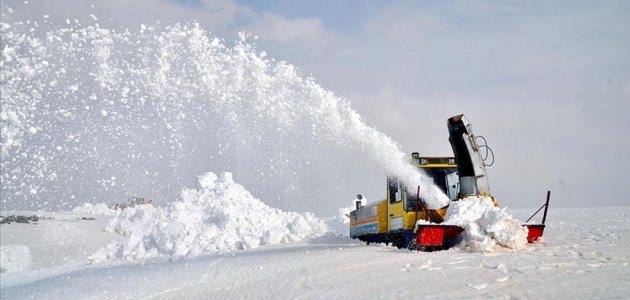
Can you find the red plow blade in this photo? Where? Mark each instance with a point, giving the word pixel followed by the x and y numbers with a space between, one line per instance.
pixel 535 231
pixel 435 236
pixel 430 235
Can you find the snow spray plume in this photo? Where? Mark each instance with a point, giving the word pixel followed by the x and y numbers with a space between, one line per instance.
pixel 91 114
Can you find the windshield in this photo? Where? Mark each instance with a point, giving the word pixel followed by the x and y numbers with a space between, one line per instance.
pixel 446 178
pixel 442 179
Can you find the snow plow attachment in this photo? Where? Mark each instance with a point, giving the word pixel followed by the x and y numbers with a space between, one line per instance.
pixel 436 236
pixel 431 237
pixel 536 230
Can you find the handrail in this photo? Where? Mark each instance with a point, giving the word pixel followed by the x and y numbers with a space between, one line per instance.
pixel 546 206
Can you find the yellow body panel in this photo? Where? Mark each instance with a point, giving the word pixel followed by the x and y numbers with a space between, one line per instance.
pixel 382 216
pixel 437 166
pixel 409 219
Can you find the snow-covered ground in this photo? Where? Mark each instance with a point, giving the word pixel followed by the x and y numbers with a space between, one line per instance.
pixel 584 254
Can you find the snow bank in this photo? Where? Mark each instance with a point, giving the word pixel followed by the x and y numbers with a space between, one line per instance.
pixel 94 209
pixel 15 258
pixel 220 216
pixel 485 225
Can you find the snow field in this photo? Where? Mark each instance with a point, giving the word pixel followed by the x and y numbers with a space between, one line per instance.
pixel 57 239
pixel 583 255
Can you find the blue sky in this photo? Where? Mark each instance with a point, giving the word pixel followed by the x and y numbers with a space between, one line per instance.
pixel 546 82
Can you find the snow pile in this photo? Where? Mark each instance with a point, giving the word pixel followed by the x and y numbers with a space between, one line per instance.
pixel 94 209
pixel 485 225
pixel 15 258
pixel 221 216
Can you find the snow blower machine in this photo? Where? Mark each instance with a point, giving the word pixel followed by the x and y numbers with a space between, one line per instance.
pixel 395 219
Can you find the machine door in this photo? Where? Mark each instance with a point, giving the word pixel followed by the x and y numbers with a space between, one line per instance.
pixel 452 185
pixel 394 204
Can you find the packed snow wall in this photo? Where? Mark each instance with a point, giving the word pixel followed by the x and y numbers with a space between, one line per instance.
pixel 92 114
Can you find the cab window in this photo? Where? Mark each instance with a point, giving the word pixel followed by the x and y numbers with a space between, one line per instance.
pixel 410 200
pixel 394 190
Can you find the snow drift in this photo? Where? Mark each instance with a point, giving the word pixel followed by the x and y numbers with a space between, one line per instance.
pixel 220 216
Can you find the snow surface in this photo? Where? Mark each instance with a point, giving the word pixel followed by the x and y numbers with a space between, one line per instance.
pixel 583 255
pixel 15 258
pixel 58 238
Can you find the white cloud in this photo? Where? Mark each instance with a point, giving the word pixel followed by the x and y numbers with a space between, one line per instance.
pixel 401 24
pixel 276 28
pixel 219 15
pixel 223 17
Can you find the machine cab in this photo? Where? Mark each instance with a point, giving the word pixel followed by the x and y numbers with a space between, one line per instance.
pixel 403 207
pixel 443 171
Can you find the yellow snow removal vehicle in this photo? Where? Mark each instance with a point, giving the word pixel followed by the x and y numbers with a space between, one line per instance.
pixel 395 219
